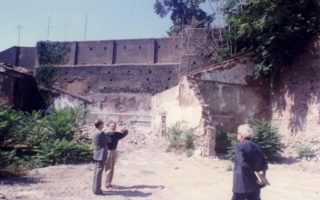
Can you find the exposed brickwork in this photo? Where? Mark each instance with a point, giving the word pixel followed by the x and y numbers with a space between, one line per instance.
pixel 119 78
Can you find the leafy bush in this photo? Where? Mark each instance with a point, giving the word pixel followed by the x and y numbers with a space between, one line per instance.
pixel 62 152
pixel 265 135
pixel 268 138
pixel 52 53
pixel 275 31
pixel 9 124
pixel 304 151
pixel 34 140
pixel 62 144
pixel 180 139
pixel 46 76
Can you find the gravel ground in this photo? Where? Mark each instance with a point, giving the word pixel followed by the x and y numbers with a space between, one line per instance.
pixel 147 172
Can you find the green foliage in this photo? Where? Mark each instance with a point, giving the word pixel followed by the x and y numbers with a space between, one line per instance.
pixel 180 139
pixel 62 152
pixel 11 164
pixel 268 138
pixel 65 122
pixel 304 151
pixel 275 31
pixel 184 14
pixel 52 53
pixel 34 140
pixel 265 135
pixel 46 76
pixel 9 125
pixel 232 141
pixel 62 143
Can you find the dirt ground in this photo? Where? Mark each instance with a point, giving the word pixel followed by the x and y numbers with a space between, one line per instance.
pixel 147 172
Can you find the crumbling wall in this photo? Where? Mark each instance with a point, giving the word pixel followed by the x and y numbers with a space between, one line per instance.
pixel 198 48
pixel 230 96
pixel 179 105
pixel 296 99
pixel 120 93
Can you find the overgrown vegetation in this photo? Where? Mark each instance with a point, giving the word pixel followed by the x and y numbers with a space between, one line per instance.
pixel 180 140
pixel 29 140
pixel 265 135
pixel 304 151
pixel 275 31
pixel 52 53
pixel 46 76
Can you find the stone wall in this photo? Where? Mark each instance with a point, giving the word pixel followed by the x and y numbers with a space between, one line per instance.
pixel 87 80
pixel 212 101
pixel 120 93
pixel 178 104
pixel 151 84
pixel 230 96
pixel 198 46
pixel 136 51
pixel 19 56
pixel 296 99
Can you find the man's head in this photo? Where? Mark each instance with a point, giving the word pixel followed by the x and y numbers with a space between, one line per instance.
pixel 244 131
pixel 113 126
pixel 99 124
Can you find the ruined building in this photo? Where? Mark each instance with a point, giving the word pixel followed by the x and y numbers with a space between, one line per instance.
pixel 151 84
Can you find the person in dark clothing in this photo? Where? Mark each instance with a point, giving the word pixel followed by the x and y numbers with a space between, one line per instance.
pixel 249 159
pixel 100 141
pixel 112 147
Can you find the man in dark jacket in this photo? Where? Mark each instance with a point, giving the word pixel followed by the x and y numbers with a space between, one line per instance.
pixel 100 142
pixel 249 159
pixel 111 161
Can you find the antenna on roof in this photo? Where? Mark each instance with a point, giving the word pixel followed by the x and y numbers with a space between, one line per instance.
pixel 49 27
pixel 65 29
pixel 86 27
pixel 19 27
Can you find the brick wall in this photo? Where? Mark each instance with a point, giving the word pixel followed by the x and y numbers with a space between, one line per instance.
pixel 19 56
pixel 117 78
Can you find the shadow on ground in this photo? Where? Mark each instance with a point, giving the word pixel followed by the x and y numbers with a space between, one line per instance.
pixel 133 191
pixel 21 180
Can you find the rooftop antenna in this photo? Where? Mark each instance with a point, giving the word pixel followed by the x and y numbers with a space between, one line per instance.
pixel 65 30
pixel 19 27
pixel 86 27
pixel 49 27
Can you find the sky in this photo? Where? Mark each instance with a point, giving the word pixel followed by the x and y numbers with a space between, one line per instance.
pixel 106 19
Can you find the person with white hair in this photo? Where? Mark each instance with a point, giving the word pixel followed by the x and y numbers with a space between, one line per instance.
pixel 249 159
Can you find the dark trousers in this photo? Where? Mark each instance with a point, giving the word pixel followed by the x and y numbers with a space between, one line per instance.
pixel 247 196
pixel 97 176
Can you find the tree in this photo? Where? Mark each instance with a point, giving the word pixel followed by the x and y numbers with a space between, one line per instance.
pixel 275 31
pixel 184 13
